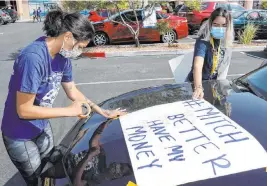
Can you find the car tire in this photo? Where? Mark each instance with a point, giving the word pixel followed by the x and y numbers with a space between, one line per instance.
pixel 2 22
pixel 100 38
pixel 171 34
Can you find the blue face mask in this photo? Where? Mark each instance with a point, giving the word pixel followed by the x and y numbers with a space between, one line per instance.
pixel 218 32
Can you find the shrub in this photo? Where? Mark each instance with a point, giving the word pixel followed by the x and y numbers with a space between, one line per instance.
pixel 164 27
pixel 248 34
pixel 193 4
pixel 264 4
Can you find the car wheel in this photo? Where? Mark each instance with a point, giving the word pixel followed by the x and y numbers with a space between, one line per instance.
pixel 169 37
pixel 2 21
pixel 100 38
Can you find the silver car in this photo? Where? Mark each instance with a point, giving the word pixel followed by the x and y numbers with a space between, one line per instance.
pixel 4 18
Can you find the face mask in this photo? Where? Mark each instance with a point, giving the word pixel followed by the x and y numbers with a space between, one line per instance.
pixel 218 32
pixel 75 52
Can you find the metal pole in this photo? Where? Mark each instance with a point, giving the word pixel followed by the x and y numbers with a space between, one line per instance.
pixel 249 4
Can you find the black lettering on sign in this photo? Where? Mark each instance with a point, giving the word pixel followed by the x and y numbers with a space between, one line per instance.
pixel 176 154
pixel 151 165
pixel 193 103
pixel 159 130
pixel 204 146
pixel 231 135
pixel 220 162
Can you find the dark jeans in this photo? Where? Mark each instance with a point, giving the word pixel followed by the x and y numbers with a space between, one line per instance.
pixel 30 156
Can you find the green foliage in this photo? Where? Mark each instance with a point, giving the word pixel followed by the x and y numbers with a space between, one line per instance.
pixel 163 27
pixel 264 4
pixel 100 4
pixel 248 34
pixel 193 4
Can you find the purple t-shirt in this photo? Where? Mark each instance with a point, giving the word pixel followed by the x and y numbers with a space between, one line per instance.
pixel 34 72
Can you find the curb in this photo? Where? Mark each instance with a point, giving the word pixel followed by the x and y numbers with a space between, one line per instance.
pixel 158 53
pixel 24 21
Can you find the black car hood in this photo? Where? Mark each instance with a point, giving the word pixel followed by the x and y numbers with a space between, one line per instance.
pixel 105 137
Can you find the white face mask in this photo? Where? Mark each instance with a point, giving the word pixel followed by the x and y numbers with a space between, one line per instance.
pixel 75 52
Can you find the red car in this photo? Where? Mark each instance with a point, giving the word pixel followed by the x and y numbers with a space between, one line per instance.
pixel 94 17
pixel 196 18
pixel 108 32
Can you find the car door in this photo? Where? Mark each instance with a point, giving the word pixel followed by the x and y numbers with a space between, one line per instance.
pixel 184 11
pixel 254 18
pixel 151 33
pixel 263 19
pixel 120 32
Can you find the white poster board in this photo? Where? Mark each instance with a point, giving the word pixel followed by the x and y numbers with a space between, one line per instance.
pixel 187 141
pixel 150 18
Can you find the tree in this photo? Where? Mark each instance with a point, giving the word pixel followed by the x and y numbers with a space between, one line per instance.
pixel 132 23
pixel 76 5
pixel 264 4
pixel 193 4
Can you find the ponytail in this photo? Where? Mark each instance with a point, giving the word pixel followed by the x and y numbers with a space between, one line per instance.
pixel 58 22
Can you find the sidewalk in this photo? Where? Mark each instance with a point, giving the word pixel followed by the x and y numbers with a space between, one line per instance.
pixel 157 49
pixel 26 21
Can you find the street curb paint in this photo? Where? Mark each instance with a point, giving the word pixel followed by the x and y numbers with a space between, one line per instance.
pixel 158 53
pixel 94 54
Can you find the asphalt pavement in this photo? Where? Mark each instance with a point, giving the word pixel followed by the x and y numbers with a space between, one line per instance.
pixel 99 79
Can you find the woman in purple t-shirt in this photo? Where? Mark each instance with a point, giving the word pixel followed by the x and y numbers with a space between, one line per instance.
pixel 39 72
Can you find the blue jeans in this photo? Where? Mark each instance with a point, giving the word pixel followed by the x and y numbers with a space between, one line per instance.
pixel 30 156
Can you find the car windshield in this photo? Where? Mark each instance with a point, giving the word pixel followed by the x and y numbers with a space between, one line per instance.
pixel 161 15
pixel 204 6
pixel 256 82
pixel 238 14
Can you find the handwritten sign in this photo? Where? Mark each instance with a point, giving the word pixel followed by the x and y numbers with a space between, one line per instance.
pixel 150 19
pixel 187 141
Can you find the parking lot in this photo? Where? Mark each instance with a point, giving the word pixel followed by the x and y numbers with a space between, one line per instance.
pixel 99 79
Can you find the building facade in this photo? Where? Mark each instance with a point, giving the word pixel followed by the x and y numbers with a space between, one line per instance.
pixel 25 8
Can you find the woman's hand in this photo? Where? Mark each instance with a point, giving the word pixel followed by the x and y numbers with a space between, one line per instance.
pixel 76 109
pixel 198 93
pixel 114 113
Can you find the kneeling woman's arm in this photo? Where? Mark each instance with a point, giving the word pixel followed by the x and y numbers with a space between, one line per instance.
pixel 197 73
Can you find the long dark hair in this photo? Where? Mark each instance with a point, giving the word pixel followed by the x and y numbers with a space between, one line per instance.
pixel 58 22
pixel 204 31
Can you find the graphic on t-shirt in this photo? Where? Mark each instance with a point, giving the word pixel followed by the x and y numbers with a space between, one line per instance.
pixel 55 81
pixel 221 59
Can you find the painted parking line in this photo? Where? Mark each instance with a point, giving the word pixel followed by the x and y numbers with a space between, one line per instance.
pixel 138 80
pixel 252 56
pixel 125 81
pixel 233 75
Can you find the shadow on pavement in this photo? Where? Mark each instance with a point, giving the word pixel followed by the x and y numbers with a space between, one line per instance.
pixel 12 56
pixel 16 180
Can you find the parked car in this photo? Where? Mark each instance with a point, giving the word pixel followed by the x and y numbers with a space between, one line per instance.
pixel 158 7
pixel 95 17
pixel 108 31
pixel 256 17
pixel 95 151
pixel 196 18
pixel 12 13
pixel 4 18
